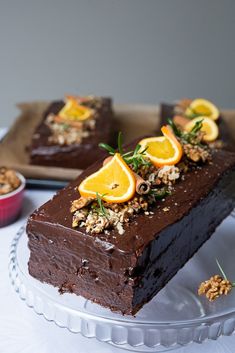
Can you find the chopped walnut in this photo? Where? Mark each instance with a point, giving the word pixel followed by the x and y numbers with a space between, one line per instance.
pixel 79 203
pixel 9 181
pixel 196 152
pixel 116 215
pixel 215 287
pixel 79 216
pixel 145 170
pixel 166 209
pixel 168 174
pixel 66 133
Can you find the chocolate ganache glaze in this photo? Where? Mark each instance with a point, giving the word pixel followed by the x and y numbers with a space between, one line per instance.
pixel 75 155
pixel 123 272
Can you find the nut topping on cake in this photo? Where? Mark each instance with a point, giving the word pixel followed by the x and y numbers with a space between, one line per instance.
pixel 73 122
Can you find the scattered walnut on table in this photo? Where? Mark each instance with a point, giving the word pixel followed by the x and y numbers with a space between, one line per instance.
pixel 215 287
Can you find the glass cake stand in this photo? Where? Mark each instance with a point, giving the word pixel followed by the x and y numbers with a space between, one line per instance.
pixel 177 316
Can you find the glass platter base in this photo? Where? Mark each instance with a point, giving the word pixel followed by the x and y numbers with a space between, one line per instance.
pixel 176 317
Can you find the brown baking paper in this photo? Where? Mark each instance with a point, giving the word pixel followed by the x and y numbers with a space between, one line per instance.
pixel 132 120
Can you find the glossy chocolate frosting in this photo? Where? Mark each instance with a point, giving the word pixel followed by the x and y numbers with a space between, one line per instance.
pixel 123 272
pixel 79 156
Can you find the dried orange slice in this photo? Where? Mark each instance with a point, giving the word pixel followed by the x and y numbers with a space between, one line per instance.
pixel 72 111
pixel 163 150
pixel 114 182
pixel 203 107
pixel 209 127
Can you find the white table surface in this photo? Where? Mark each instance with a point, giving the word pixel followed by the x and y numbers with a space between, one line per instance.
pixel 23 331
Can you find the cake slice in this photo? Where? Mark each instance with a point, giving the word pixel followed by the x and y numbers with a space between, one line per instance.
pixel 64 140
pixel 122 265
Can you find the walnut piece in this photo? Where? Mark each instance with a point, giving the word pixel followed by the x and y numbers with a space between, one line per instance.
pixel 9 181
pixel 215 287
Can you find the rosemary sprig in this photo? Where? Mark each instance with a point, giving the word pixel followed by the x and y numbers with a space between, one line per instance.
pixel 65 126
pixel 120 143
pixel 197 127
pixel 136 158
pixel 187 137
pixel 175 129
pixel 223 273
pixel 159 194
pixel 108 148
pixel 101 209
pixel 221 270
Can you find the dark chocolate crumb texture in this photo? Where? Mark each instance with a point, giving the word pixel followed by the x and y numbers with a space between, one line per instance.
pixel 70 131
pixel 118 243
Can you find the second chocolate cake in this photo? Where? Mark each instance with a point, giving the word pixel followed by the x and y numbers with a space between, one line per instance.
pixel 70 131
pixel 177 112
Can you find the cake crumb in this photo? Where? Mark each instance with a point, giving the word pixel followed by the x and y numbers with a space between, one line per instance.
pixel 120 228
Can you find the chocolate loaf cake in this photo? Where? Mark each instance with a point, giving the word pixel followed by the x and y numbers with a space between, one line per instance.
pixel 60 145
pixel 167 111
pixel 124 270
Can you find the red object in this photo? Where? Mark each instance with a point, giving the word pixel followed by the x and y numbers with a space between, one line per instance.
pixel 11 204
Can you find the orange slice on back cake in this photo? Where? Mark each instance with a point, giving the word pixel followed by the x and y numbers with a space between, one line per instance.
pixel 73 111
pixel 209 127
pixel 203 107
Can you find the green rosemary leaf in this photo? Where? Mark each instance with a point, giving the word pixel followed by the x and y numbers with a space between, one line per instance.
pixel 120 142
pixel 127 154
pixel 135 164
pixel 135 157
pixel 65 126
pixel 175 129
pixel 197 127
pixel 102 209
pixel 107 147
pixel 137 148
pixel 221 270
pixel 159 194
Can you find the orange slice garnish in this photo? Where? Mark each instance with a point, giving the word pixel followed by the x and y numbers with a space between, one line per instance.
pixel 203 107
pixel 114 182
pixel 163 150
pixel 73 111
pixel 209 127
